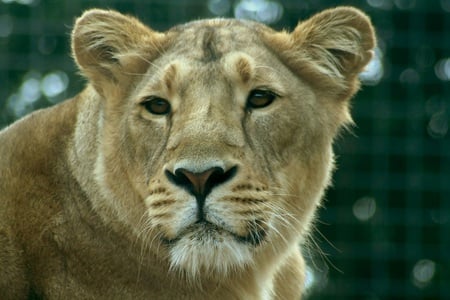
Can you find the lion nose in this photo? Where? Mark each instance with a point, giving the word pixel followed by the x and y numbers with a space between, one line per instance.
pixel 200 184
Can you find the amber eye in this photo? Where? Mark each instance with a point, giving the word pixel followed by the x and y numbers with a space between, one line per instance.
pixel 260 99
pixel 156 105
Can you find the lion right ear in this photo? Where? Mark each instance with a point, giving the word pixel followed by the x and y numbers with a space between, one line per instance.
pixel 109 47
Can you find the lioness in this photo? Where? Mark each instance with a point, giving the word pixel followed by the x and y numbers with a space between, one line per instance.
pixel 190 167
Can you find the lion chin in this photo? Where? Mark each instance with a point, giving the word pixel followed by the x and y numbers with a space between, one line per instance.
pixel 205 248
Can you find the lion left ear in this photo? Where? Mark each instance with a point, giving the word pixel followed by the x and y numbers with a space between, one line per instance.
pixel 108 46
pixel 337 43
pixel 340 39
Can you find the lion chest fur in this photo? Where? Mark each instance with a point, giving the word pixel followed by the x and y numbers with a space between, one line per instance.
pixel 190 167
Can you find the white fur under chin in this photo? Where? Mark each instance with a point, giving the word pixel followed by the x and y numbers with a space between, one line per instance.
pixel 211 253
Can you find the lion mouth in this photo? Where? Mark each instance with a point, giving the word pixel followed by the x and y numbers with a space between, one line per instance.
pixel 203 231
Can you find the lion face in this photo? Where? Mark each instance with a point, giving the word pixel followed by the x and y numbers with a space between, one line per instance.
pixel 217 193
pixel 216 136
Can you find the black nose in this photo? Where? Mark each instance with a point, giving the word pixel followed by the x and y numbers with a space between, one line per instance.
pixel 200 184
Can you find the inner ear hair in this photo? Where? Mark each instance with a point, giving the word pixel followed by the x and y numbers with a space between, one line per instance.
pixel 103 42
pixel 341 39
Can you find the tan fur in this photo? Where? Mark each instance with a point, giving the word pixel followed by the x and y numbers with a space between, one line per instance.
pixel 88 209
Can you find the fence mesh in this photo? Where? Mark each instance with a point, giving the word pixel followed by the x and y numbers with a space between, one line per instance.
pixel 384 232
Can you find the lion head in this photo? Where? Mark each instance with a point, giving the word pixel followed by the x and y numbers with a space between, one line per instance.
pixel 213 141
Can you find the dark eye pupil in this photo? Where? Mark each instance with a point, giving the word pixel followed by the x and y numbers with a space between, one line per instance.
pixel 157 106
pixel 260 99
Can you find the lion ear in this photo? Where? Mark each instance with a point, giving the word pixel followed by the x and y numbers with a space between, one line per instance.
pixel 340 39
pixel 337 43
pixel 108 46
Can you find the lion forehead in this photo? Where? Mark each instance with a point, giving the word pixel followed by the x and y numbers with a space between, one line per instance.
pixel 210 40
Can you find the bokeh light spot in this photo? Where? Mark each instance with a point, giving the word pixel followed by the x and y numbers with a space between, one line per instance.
pixel 438 125
pixel 22 102
pixel 6 26
pixel 381 4
pixel 30 89
pixel 263 11
pixel 374 71
pixel 423 272
pixel 440 216
pixel 27 2
pixel 219 7
pixel 405 4
pixel 410 76
pixel 442 69
pixel 309 278
pixel 445 4
pixel 364 208
pixel 54 83
pixel 23 2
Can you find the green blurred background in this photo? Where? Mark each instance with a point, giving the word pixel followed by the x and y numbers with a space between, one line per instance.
pixel 384 232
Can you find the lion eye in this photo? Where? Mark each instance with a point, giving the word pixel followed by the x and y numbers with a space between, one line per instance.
pixel 260 99
pixel 156 105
